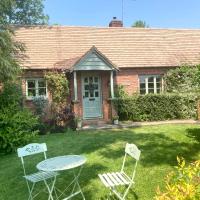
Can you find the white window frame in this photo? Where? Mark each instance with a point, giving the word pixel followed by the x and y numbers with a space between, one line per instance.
pixel 154 82
pixel 36 88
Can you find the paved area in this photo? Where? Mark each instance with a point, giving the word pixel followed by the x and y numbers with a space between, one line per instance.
pixel 130 124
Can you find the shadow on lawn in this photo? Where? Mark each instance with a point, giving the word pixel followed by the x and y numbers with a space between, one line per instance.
pixel 194 133
pixel 157 149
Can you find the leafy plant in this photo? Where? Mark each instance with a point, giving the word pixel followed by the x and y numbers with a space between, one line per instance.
pixel 155 107
pixel 183 79
pixel 17 128
pixel 17 125
pixel 183 183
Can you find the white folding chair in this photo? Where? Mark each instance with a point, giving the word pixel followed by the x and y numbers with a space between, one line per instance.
pixel 113 180
pixel 32 179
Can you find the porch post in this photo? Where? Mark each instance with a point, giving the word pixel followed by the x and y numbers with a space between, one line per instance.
pixel 75 87
pixel 111 85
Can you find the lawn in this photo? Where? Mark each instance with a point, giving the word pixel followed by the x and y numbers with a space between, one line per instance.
pixel 104 150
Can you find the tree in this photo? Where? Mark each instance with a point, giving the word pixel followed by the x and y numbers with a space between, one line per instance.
pixel 140 24
pixel 10 54
pixel 28 12
pixel 25 12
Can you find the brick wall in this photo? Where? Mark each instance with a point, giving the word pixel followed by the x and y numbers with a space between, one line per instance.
pixel 129 78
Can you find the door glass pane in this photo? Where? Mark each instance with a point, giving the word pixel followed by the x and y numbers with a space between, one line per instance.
pixel 86 94
pixel 95 86
pixel 96 94
pixel 91 79
pixel 96 79
pixel 85 80
pixel 86 87
pixel 91 93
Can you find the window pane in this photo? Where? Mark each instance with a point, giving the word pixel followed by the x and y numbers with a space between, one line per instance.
pixel 142 91
pixel 158 79
pixel 142 79
pixel 42 91
pixel 150 79
pixel 142 85
pixel 158 85
pixel 158 90
pixel 31 83
pixel 150 85
pixel 151 90
pixel 31 92
pixel 41 83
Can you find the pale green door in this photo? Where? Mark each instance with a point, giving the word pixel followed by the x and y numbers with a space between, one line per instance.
pixel 91 90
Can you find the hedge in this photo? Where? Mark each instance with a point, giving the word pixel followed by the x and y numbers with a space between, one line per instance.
pixel 157 107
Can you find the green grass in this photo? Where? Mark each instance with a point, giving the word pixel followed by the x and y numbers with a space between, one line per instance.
pixel 104 151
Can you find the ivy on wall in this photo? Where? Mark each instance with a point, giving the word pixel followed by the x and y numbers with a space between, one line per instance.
pixel 58 86
pixel 183 79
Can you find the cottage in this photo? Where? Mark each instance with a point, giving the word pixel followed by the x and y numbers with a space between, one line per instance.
pixel 96 59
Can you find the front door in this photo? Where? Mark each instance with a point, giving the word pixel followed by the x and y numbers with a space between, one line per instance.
pixel 91 92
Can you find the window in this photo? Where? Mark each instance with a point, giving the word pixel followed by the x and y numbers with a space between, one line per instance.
pixel 36 88
pixel 150 84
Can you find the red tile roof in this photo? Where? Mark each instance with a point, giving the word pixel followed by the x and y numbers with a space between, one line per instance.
pixel 51 46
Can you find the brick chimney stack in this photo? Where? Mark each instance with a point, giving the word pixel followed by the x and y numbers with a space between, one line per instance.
pixel 116 23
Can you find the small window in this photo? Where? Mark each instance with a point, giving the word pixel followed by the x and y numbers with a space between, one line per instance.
pixel 150 84
pixel 36 88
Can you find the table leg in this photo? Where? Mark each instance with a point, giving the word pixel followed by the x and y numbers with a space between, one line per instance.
pixel 75 185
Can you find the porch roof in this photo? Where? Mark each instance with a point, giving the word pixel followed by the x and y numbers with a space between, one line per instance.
pixel 99 62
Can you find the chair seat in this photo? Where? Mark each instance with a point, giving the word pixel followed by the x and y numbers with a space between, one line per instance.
pixel 112 179
pixel 40 176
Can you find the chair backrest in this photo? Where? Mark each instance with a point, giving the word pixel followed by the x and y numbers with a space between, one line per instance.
pixel 31 149
pixel 133 151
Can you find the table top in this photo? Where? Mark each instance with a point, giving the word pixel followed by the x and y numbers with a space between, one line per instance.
pixel 60 163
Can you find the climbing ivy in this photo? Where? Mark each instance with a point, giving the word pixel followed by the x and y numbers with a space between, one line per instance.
pixel 57 84
pixel 183 79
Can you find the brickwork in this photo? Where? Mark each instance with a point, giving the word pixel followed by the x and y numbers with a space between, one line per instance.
pixel 129 78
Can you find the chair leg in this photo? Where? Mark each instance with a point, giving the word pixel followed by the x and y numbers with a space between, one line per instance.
pixel 50 190
pixel 30 191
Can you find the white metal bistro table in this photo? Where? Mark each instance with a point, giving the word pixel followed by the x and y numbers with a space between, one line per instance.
pixel 62 163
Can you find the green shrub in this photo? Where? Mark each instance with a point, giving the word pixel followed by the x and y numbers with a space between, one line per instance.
pixel 11 95
pixel 183 183
pixel 17 125
pixel 155 107
pixel 17 128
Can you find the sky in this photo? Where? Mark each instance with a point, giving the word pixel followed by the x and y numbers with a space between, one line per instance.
pixel 156 13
